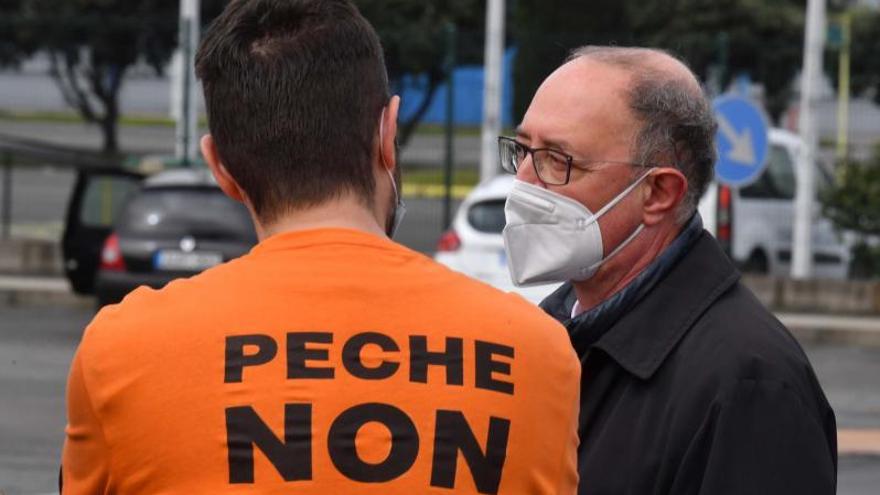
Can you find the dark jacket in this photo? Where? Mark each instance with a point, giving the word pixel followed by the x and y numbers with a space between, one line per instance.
pixel 697 389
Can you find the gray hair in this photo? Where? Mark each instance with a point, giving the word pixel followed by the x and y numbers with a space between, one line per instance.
pixel 678 121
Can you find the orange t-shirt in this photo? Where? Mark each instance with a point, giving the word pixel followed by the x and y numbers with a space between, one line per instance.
pixel 327 361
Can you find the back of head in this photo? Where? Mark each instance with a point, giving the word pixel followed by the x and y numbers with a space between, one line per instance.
pixel 294 90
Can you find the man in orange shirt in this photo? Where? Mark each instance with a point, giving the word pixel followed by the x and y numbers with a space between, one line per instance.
pixel 329 359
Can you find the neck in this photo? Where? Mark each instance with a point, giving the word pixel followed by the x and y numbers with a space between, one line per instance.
pixel 619 271
pixel 346 212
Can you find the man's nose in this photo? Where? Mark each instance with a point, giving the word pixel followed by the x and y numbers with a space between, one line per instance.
pixel 526 172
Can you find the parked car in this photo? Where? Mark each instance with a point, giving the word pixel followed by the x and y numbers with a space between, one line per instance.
pixel 178 224
pixel 474 246
pixel 100 191
pixel 755 222
pixel 95 202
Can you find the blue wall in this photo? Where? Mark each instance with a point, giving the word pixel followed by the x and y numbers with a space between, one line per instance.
pixel 468 84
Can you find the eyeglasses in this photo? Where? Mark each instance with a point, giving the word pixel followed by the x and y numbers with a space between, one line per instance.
pixel 552 166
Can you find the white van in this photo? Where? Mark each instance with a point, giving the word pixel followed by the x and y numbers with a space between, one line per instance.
pixel 755 223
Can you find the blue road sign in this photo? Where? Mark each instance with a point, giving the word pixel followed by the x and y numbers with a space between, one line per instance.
pixel 741 142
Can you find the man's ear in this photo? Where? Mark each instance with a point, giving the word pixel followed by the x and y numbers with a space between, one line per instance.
pixel 666 188
pixel 223 177
pixel 388 134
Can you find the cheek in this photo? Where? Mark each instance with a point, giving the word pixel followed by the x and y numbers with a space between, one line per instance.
pixel 594 194
pixel 622 217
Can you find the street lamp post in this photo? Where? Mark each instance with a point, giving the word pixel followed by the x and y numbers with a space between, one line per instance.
pixel 494 53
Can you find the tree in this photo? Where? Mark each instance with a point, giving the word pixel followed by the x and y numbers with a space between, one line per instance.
pixel 853 205
pixel 413 35
pixel 12 51
pixel 547 30
pixel 91 44
pixel 761 37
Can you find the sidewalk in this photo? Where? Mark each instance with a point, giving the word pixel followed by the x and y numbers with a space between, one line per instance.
pixel 836 329
pixel 29 290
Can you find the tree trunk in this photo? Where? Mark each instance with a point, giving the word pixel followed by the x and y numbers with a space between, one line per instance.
pixel 110 128
pixel 109 96
pixel 408 126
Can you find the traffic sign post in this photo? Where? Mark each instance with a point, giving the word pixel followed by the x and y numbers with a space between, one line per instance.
pixel 741 141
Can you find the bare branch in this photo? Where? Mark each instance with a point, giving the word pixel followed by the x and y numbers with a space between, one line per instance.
pixel 408 126
pixel 66 92
pixel 71 91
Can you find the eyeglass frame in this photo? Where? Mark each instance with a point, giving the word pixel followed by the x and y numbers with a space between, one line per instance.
pixel 568 159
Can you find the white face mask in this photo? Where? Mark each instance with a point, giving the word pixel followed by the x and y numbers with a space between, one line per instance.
pixel 396 218
pixel 552 238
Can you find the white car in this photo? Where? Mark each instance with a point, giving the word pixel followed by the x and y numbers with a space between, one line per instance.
pixel 474 246
pixel 756 222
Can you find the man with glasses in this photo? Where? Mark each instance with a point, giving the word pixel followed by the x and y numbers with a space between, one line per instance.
pixel 328 360
pixel 689 386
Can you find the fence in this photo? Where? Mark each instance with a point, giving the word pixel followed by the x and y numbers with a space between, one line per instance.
pixel 36 182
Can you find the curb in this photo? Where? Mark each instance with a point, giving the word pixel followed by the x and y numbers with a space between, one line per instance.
pixel 833 329
pixel 35 291
pixel 856 442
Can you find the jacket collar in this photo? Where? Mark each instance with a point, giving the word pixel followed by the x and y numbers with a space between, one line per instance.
pixel 644 336
pixel 642 340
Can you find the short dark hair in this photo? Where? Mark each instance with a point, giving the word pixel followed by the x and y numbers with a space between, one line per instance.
pixel 677 118
pixel 294 90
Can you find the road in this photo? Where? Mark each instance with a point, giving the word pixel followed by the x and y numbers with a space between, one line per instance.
pixel 37 344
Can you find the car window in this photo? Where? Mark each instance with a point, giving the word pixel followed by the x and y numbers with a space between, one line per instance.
pixel 200 211
pixel 777 181
pixel 487 216
pixel 104 198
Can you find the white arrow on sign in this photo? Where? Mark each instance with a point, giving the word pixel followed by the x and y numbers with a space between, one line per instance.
pixel 742 150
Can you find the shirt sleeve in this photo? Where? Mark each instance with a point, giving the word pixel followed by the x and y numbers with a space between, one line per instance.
pixel 762 439
pixel 85 456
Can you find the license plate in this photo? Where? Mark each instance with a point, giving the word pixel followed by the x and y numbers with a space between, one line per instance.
pixel 183 261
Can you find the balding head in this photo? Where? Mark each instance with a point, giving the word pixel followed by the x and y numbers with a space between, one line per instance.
pixel 641 60
pixel 678 126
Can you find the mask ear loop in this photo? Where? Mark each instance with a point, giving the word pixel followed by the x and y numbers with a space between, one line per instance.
pixel 623 194
pixel 382 157
pixel 382 137
pixel 635 232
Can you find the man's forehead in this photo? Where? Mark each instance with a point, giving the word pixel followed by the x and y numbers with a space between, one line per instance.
pixel 579 96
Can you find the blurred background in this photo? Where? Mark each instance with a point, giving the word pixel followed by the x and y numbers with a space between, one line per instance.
pixel 101 187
